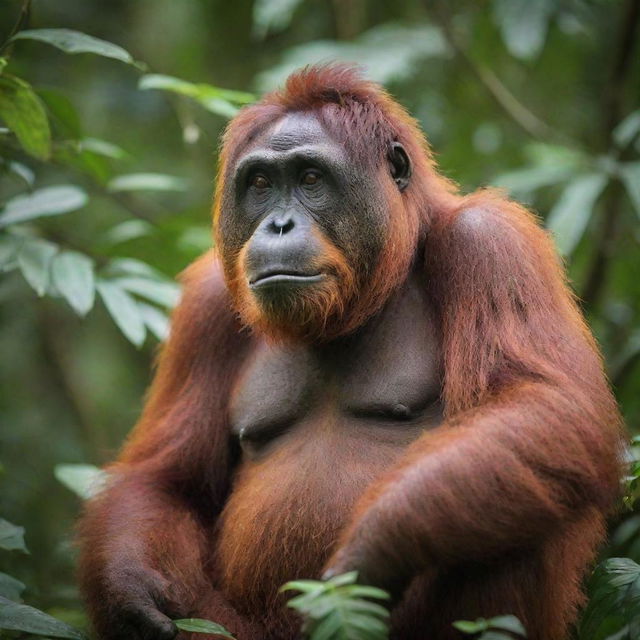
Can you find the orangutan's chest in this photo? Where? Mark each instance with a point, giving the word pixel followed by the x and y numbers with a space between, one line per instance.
pixel 388 377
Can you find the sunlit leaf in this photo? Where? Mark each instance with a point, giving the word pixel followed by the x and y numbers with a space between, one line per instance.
pixel 156 321
pixel 198 625
pixel 164 293
pixel 340 608
pixel 387 52
pixel 12 537
pixel 34 260
pixel 523 24
pixel 627 130
pixel 128 230
pixel 570 215
pixel 630 173
pixel 10 588
pixel 220 101
pixel 23 112
pixel 132 267
pixel 147 182
pixel 524 181
pixel 103 148
pixel 124 311
pixel 9 248
pixel 25 173
pixel 20 617
pixel 49 201
pixel 71 41
pixel 72 275
pixel 85 480
pixel 272 15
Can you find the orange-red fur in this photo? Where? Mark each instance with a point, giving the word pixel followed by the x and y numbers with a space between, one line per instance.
pixel 527 459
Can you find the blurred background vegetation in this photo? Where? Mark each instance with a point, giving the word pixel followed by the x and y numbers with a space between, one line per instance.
pixel 107 164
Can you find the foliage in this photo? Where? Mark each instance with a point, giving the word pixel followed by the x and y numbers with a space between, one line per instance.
pixel 197 625
pixel 106 171
pixel 498 628
pixel 340 609
pixel 613 612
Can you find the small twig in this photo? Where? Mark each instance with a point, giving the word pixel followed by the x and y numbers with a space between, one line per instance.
pixel 516 110
pixel 23 18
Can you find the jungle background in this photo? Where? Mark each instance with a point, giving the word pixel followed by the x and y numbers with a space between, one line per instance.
pixel 107 164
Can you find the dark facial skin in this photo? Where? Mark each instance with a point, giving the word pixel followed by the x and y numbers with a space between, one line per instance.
pixel 292 186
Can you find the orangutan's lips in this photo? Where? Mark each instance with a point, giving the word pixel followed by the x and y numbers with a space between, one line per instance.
pixel 284 277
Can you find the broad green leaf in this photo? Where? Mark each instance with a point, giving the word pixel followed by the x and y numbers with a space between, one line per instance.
pixel 146 182
pixel 272 15
pixel 198 625
pixel 389 52
pixel 49 201
pixel 24 114
pixel 9 248
pixel 471 626
pixel 570 215
pixel 124 311
pixel 85 480
pixel 12 537
pixel 508 623
pixel 164 293
pixel 523 25
pixel 132 267
pixel 10 588
pixel 71 41
pixel 156 321
pixel 20 617
pixel 128 230
pixel 103 148
pixel 23 172
pixel 627 130
pixel 63 114
pixel 630 174
pixel 72 275
pixel 219 101
pixel 34 260
pixel 531 178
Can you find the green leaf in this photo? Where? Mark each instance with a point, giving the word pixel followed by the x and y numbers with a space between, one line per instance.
pixel 24 114
pixel 71 41
pixel 131 266
pixel 9 248
pixel 471 626
pixel 102 148
pixel 390 52
pixel 524 181
pixel 72 275
pixel 25 173
pixel 570 215
pixel 12 537
pixel 508 623
pixel 50 201
pixel 272 15
pixel 128 230
pixel 164 293
pixel 156 321
pixel 627 130
pixel 34 260
pixel 124 311
pixel 147 182
pixel 10 587
pixel 219 101
pixel 85 480
pixel 64 116
pixel 523 24
pixel 20 617
pixel 630 174
pixel 198 625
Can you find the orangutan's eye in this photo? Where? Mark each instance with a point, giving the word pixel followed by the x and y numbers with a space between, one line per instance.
pixel 260 182
pixel 311 177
